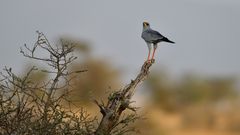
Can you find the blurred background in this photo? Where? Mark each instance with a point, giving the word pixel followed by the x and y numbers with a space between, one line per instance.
pixel 194 85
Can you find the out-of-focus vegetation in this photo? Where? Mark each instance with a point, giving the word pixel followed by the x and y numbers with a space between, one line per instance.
pixel 189 90
pixel 192 104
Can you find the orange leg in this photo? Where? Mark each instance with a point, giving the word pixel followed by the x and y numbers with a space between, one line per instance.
pixel 155 47
pixel 153 53
pixel 149 50
pixel 149 55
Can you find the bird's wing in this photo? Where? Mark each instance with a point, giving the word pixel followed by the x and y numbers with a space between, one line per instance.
pixel 152 35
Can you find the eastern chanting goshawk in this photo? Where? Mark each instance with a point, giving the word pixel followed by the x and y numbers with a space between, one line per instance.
pixel 152 37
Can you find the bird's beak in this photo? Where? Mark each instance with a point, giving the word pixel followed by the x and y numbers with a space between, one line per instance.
pixel 145 24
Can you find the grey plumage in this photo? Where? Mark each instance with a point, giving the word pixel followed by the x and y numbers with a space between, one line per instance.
pixel 152 37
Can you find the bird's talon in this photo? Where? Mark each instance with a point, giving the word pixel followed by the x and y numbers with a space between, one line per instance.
pixel 149 61
pixel 152 60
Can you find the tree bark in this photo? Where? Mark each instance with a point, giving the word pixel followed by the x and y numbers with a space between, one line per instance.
pixel 119 101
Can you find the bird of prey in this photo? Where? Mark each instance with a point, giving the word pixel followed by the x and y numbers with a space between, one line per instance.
pixel 152 37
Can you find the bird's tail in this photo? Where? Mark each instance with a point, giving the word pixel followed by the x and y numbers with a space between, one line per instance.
pixel 167 40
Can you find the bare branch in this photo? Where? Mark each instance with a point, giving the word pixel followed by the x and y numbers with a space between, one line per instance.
pixel 118 102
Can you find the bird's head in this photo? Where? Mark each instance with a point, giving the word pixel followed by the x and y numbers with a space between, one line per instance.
pixel 146 25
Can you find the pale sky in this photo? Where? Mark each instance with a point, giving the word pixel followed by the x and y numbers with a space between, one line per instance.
pixel 206 32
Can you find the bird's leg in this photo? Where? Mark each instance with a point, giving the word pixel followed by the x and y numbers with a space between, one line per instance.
pixel 149 50
pixel 155 47
pixel 148 55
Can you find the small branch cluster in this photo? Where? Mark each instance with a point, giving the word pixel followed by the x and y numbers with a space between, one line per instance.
pixel 27 107
pixel 59 60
